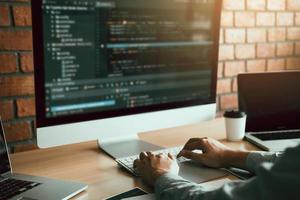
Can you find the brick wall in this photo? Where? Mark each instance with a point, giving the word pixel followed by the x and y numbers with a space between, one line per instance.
pixel 256 35
pixel 16 74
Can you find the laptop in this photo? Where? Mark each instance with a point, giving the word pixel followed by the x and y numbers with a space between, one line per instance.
pixel 272 104
pixel 23 187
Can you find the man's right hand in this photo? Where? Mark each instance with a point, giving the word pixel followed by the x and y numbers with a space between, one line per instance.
pixel 214 154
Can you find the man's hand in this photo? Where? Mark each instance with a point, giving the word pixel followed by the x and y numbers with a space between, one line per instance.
pixel 214 154
pixel 152 166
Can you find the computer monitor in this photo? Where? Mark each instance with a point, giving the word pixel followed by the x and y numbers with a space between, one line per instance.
pixel 109 69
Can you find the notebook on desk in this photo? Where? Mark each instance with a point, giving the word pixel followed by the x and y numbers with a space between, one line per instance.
pixel 272 104
pixel 24 187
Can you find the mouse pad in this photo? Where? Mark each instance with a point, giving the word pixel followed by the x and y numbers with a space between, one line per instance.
pixel 198 173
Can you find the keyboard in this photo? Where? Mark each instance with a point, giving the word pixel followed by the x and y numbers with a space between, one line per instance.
pixel 127 162
pixel 11 187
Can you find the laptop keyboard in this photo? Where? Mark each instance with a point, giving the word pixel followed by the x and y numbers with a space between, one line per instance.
pixel 295 134
pixel 127 162
pixel 11 187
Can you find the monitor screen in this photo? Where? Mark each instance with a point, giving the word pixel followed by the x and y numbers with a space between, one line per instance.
pixel 105 58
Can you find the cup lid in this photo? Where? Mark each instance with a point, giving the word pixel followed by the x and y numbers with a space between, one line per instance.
pixel 234 114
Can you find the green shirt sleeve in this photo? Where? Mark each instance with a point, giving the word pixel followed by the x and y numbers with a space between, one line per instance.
pixel 277 178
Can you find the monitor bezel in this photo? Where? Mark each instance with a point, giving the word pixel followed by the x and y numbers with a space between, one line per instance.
pixel 38 52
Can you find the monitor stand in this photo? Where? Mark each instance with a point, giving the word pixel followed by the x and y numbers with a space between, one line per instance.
pixel 126 147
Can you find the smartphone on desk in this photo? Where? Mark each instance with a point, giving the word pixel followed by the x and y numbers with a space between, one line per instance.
pixel 131 193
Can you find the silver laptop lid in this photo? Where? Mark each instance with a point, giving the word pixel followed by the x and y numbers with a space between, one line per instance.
pixel 4 157
pixel 270 100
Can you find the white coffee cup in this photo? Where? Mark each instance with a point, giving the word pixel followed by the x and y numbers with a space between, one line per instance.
pixel 235 123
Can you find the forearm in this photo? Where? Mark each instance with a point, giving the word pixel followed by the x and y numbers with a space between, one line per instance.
pixel 236 158
pixel 274 181
pixel 249 160
pixel 173 187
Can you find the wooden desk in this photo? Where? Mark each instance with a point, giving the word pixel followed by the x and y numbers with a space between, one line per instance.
pixel 86 163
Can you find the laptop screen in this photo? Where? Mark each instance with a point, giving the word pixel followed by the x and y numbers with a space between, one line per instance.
pixel 4 160
pixel 270 100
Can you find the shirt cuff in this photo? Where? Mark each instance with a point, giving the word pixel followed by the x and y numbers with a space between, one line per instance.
pixel 256 158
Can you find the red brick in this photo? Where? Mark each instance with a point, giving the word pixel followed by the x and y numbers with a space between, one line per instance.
pixel 285 18
pixel 223 86
pixel 293 63
pixel 236 35
pixel 245 51
pixel 234 85
pixel 26 107
pixel 24 147
pixel 229 101
pixel 297 19
pixel 234 4
pixel 220 70
pixel 4 16
pixel 285 49
pixel 297 48
pixel 293 4
pixel 256 4
pixel 276 64
pixel 16 40
pixel 293 33
pixel 276 5
pixel 265 50
pixel 16 85
pixel 226 52
pixel 22 15
pixel 227 18
pixel 8 63
pixel 18 131
pixel 233 68
pixel 265 19
pixel 6 110
pixel 244 19
pixel 276 34
pixel 256 65
pixel 221 36
pixel 255 35
pixel 26 60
